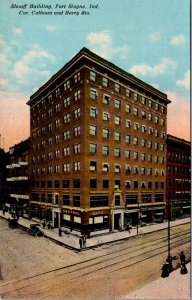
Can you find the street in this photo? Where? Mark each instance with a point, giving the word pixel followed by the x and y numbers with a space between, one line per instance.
pixel 37 267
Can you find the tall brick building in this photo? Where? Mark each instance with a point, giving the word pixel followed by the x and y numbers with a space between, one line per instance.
pixel 98 147
pixel 178 176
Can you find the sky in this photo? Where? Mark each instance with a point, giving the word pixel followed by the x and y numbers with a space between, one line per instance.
pixel 147 38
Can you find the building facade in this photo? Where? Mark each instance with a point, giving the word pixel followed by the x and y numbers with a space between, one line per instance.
pixel 4 189
pixel 178 176
pixel 18 177
pixel 98 147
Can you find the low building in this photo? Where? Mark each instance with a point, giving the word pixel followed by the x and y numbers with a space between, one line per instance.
pixel 18 176
pixel 178 176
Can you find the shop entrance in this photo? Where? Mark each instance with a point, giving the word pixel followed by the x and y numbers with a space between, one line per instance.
pixel 117 221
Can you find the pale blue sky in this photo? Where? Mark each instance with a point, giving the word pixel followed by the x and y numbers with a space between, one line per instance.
pixel 148 38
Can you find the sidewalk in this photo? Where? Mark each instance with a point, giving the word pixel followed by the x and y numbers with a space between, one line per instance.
pixel 176 286
pixel 71 239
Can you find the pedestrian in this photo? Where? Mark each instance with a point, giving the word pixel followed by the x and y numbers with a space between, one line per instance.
pixel 80 243
pixel 169 261
pixel 128 227
pixel 84 241
pixel 60 231
pixel 182 257
pixel 165 270
pixel 183 269
pixel 48 225
pixel 44 224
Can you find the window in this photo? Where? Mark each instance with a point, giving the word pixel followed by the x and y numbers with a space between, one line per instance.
pixel 162 147
pixel 57 184
pixel 128 93
pixel 143 142
pixel 128 139
pixel 77 95
pixel 76 165
pixel 76 201
pixel 66 168
pixel 128 123
pixel 150 118
pixel 150 185
pixel 117 104
pixel 156 132
pixel 77 113
pixel 50 198
pixel 143 128
pixel 135 141
pixel 136 126
pixel 136 170
pixel 50 127
pixel 143 184
pixel 105 150
pixel 162 109
pixel 135 155
pixel 50 97
pixel 76 183
pixel 156 146
pixel 98 201
pixel 77 77
pixel 66 200
pixel 117 136
pixel 150 171
pixel 93 166
pixel 57 107
pixel 127 184
pixel 93 148
pixel 66 151
pixel 93 112
pixel 117 199
pixel 105 116
pixel 105 184
pixel 117 184
pixel 162 134
pixel 93 183
pixel 150 157
pixel 66 183
pixel 66 85
pixel 49 170
pixel 143 114
pixel 143 100
pixel 66 135
pixel 57 138
pixel 145 198
pixel 76 148
pixel 117 120
pixel 159 197
pixel 127 154
pixel 117 152
pixel 150 130
pixel 106 99
pixel 66 118
pixel 57 123
pixel 76 130
pixel 156 172
pixel 142 170
pixel 105 167
pixel 50 111
pixel 117 87
pixel 156 185
pixel 135 111
pixel 57 153
pixel 150 103
pixel 128 108
pixel 128 169
pixel 49 155
pixel 56 169
pixel 93 94
pixel 105 133
pixel 105 81
pixel 156 119
pixel 66 102
pixel 162 122
pixel 150 144
pixel 57 92
pixel 92 75
pixel 135 184
pixel 135 96
pixel 156 106
pixel 93 130
pixel 143 156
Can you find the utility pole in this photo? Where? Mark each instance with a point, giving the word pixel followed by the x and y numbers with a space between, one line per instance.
pixel 168 227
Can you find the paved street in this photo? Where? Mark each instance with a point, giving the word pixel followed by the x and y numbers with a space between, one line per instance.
pixel 32 266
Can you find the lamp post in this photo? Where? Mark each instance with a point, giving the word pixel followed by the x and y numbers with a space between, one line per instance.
pixel 168 226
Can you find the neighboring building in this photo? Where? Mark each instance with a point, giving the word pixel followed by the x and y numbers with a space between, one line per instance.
pixel 98 147
pixel 18 177
pixel 178 176
pixel 4 191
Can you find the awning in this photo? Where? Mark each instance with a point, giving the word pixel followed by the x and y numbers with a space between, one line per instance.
pixel 186 207
pixel 131 211
pixel 159 214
